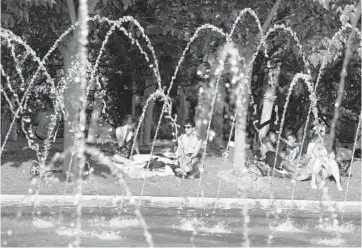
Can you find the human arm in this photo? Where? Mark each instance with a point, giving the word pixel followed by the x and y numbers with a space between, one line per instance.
pixel 197 149
pixel 180 148
pixel 270 146
pixel 294 153
pixel 119 136
pixel 287 142
pixel 136 148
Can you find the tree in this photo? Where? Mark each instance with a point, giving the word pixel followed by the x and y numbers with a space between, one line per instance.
pixel 169 24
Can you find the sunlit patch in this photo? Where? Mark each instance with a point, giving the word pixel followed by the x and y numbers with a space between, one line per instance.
pixel 329 242
pixel 39 223
pixel 8 164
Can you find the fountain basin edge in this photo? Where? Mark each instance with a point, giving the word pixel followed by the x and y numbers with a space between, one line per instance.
pixel 192 202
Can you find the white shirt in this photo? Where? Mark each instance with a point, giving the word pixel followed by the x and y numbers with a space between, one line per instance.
pixel 121 133
pixel 188 144
pixel 316 150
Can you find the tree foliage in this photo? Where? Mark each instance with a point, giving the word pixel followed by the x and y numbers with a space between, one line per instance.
pixel 170 24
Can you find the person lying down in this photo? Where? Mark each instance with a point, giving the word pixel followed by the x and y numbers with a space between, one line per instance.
pixel 125 137
pixel 185 162
pixel 136 165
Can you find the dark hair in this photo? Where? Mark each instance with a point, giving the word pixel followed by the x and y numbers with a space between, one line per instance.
pixel 128 118
pixel 190 122
pixel 292 135
pixel 270 131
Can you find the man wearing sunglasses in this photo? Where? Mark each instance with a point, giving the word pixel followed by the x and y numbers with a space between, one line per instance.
pixel 189 145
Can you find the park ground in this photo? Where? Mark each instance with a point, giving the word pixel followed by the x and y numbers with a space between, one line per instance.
pixel 16 179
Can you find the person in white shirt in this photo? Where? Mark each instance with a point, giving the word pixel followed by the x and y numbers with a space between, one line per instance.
pixel 124 137
pixel 293 148
pixel 188 152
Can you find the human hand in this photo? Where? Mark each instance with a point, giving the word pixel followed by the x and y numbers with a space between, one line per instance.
pixel 185 159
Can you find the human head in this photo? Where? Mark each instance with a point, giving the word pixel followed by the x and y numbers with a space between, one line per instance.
pixel 129 121
pixel 292 138
pixel 189 127
pixel 319 132
pixel 272 135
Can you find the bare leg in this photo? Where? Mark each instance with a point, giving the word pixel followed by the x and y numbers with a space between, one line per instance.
pixel 313 184
pixel 288 167
pixel 122 160
pixel 195 169
pixel 333 166
pixel 316 166
pixel 183 167
pixel 119 136
pixel 322 178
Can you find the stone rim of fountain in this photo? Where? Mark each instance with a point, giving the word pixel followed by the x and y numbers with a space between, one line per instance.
pixel 170 202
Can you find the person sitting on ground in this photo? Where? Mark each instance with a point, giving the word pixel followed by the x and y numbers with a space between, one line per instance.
pixel 268 143
pixel 293 148
pixel 188 152
pixel 268 152
pixel 125 137
pixel 316 153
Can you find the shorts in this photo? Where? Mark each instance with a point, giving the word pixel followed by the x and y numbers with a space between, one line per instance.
pixel 270 159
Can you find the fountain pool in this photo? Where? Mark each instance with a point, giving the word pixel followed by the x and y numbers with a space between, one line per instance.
pixel 101 225
pixel 172 227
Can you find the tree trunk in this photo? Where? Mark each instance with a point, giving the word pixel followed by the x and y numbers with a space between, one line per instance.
pixel 94 127
pixel 268 99
pixel 203 111
pixel 149 112
pixel 242 103
pixel 218 120
pixel 183 111
pixel 134 98
pixel 6 117
pixel 72 106
pixel 71 92
pixel 239 166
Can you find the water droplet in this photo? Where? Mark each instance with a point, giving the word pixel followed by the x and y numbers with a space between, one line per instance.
pixel 30 191
pixel 9 232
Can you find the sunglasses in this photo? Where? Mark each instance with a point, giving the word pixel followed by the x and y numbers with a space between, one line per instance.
pixel 188 127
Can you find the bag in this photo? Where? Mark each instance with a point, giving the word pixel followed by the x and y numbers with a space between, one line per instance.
pixel 155 164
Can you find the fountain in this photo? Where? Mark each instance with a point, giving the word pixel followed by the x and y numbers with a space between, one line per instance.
pixel 84 73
